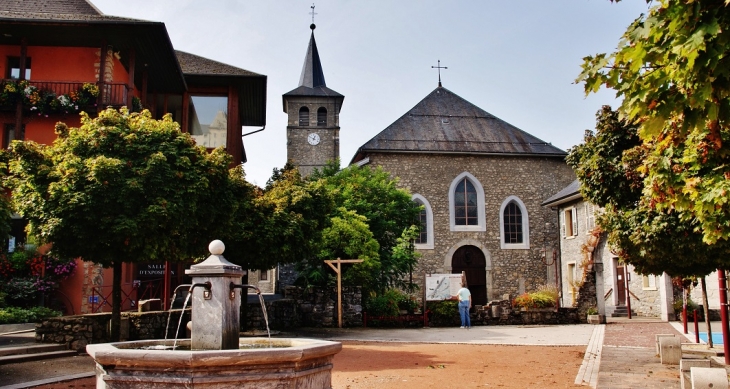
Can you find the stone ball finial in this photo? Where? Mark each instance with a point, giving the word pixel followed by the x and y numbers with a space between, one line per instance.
pixel 312 26
pixel 216 247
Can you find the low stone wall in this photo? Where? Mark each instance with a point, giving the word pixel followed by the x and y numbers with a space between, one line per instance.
pixel 78 331
pixel 501 313
pixel 318 308
pixel 282 315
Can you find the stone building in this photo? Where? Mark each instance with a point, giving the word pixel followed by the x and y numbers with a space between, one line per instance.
pixel 481 182
pixel 583 249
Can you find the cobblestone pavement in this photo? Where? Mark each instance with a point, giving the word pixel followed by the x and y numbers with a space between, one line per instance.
pixel 629 358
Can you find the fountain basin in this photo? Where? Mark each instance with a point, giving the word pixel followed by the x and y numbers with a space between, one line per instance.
pixel 291 363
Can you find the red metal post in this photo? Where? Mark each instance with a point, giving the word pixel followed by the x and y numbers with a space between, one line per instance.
pixel 697 327
pixel 684 309
pixel 723 314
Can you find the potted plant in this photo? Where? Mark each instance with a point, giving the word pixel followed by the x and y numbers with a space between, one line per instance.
pixel 593 316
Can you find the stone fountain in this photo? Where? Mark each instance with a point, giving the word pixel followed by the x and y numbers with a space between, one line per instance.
pixel 215 356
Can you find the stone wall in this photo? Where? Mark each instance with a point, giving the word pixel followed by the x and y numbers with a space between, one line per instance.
pixel 318 308
pixel 531 179
pixel 501 312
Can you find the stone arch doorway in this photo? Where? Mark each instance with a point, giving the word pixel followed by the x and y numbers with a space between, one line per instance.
pixel 470 260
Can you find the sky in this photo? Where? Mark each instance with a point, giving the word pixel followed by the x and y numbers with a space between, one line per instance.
pixel 516 59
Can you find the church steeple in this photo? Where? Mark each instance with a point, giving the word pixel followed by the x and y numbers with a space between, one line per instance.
pixel 313 109
pixel 312 74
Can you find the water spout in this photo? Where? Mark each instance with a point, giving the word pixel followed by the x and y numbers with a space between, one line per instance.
pixel 261 301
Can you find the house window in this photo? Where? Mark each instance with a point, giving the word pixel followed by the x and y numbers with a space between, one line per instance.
pixel 9 134
pixel 649 282
pixel 304 116
pixel 590 217
pixel 466 204
pixel 263 275
pixel 208 120
pixel 14 68
pixel 425 239
pixel 322 117
pixel 570 223
pixel 514 224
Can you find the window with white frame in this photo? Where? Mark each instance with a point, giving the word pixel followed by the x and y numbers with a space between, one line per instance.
pixel 514 224
pixel 466 204
pixel 569 223
pixel 425 239
pixel 649 282
pixel 590 217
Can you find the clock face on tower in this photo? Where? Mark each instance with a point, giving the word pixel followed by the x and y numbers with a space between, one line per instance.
pixel 313 139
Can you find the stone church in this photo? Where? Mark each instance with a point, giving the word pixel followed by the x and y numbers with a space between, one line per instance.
pixel 481 181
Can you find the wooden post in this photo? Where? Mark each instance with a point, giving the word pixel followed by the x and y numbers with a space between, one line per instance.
pixel 339 283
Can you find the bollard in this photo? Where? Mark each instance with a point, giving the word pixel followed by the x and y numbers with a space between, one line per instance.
pixel 657 337
pixel 708 377
pixel 697 327
pixel 685 365
pixel 670 350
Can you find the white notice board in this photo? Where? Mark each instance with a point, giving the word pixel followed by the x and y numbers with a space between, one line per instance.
pixel 442 286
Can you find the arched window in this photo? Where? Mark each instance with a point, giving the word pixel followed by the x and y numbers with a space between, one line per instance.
pixel 514 224
pixel 304 116
pixel 322 117
pixel 425 239
pixel 466 203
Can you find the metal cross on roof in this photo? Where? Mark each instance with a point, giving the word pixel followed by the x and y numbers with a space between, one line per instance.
pixel 439 67
pixel 312 13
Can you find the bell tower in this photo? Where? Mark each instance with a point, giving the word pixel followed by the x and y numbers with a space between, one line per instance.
pixel 313 109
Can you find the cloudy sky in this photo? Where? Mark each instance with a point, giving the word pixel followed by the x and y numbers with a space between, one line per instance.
pixel 515 59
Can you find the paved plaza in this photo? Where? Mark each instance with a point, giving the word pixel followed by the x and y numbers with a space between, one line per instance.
pixel 620 354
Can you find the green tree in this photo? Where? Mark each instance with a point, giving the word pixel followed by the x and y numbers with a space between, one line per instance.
pixel 672 70
pixel 122 188
pixel 367 197
pixel 279 224
pixel 653 240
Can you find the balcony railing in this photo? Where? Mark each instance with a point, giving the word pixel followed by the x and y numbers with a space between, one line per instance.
pixel 61 96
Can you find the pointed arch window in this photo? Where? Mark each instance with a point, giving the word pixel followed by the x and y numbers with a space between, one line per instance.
pixel 425 239
pixel 466 204
pixel 322 117
pixel 514 224
pixel 304 116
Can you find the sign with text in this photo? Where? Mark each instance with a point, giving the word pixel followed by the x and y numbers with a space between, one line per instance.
pixel 146 271
pixel 442 286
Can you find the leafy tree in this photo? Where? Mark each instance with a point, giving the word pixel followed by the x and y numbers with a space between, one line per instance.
pixel 280 224
pixel 652 240
pixel 369 198
pixel 122 188
pixel 672 69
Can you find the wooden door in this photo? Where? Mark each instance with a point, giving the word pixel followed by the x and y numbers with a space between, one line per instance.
pixel 470 260
pixel 620 285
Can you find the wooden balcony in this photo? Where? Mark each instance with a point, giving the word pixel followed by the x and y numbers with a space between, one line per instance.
pixel 48 97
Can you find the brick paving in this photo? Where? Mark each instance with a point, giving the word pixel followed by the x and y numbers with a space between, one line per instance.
pixel 629 358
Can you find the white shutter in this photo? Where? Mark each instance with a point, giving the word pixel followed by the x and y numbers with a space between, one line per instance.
pixel 574 215
pixel 562 224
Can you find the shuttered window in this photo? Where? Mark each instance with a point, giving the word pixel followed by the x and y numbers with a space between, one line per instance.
pixel 322 117
pixel 304 116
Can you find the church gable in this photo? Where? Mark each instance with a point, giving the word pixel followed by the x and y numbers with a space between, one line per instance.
pixel 443 122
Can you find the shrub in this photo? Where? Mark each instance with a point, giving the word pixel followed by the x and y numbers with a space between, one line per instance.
pixel 544 297
pixel 444 313
pixel 390 303
pixel 14 315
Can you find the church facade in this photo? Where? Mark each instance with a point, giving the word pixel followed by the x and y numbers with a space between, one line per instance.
pixel 481 182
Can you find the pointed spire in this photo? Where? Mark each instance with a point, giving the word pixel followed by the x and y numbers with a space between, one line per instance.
pixel 312 74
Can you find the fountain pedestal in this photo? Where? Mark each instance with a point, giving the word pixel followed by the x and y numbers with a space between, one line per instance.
pixel 215 357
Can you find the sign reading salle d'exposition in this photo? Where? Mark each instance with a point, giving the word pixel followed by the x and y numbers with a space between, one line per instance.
pixel 442 286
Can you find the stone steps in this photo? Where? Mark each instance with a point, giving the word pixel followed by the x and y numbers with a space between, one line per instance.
pixel 33 352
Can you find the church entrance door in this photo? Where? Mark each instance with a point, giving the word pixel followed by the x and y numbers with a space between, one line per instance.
pixel 471 261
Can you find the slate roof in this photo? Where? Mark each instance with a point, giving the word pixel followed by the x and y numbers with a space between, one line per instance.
pixel 311 81
pixel 57 10
pixel 195 64
pixel 569 193
pixel 443 122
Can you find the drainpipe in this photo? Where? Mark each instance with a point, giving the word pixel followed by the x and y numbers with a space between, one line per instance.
pixel 723 313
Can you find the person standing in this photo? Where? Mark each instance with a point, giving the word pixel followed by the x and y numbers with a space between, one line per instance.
pixel 464 296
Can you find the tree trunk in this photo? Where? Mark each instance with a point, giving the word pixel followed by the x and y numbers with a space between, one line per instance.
pixel 116 302
pixel 706 309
